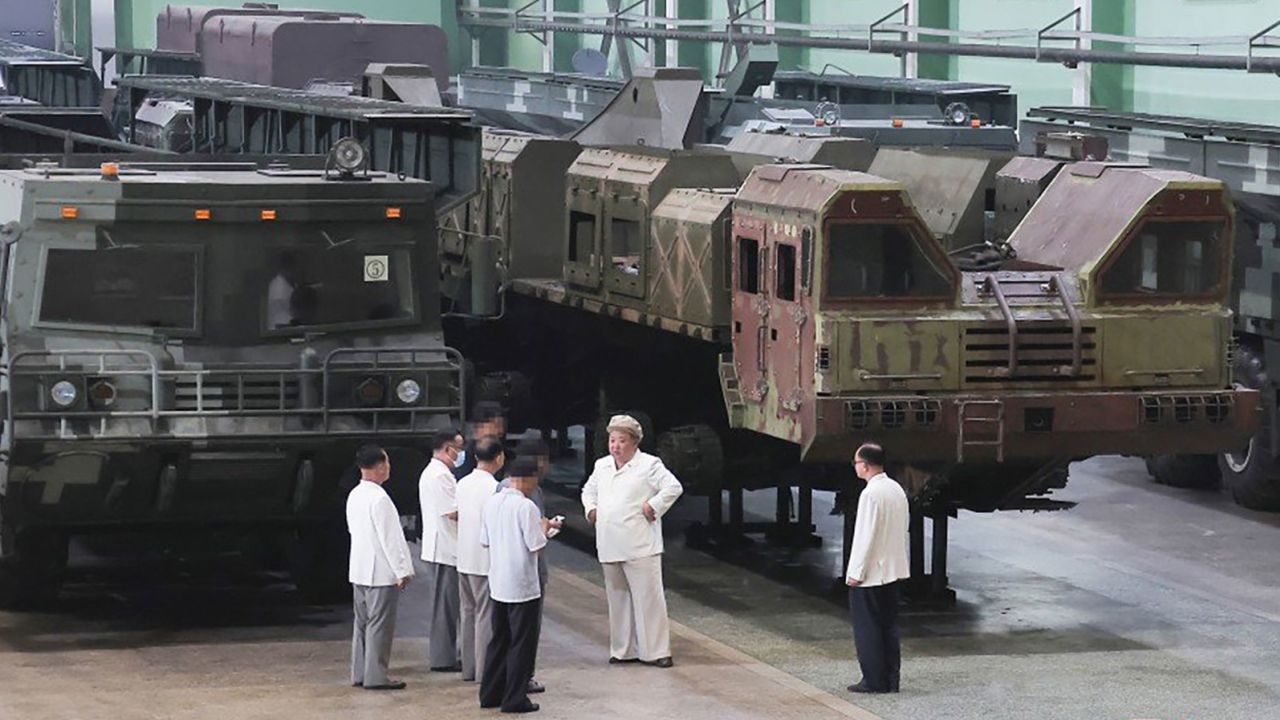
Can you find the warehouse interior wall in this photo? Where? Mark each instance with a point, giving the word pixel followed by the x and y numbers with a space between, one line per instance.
pixel 1221 94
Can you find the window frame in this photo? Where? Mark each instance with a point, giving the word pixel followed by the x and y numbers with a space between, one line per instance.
pixel 1219 290
pixel 777 272
pixel 197 250
pixel 739 266
pixel 925 241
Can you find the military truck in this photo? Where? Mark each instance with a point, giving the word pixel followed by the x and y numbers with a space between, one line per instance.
pixel 199 350
pixel 1243 157
pixel 820 310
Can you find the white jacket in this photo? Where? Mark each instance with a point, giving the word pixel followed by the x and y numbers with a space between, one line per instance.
pixel 879 552
pixel 437 493
pixel 379 553
pixel 618 494
pixel 474 491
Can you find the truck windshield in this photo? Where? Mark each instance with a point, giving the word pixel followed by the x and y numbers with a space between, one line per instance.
pixel 128 287
pixel 880 260
pixel 1169 258
pixel 313 287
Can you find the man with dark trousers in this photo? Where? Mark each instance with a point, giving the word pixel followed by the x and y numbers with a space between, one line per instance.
pixel 877 561
pixel 515 533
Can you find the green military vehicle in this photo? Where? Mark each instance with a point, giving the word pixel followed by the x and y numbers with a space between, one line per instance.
pixel 201 349
pixel 766 330
pixel 1243 156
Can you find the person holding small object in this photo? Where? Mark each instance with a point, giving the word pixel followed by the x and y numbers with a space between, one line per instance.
pixel 380 566
pixel 625 498
pixel 877 561
pixel 514 532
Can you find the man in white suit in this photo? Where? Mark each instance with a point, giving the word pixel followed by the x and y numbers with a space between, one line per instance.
pixel 379 568
pixel 877 561
pixel 437 493
pixel 474 490
pixel 625 498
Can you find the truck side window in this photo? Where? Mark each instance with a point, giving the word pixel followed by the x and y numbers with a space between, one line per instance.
pixel 626 245
pixel 582 237
pixel 1168 257
pixel 785 284
pixel 748 265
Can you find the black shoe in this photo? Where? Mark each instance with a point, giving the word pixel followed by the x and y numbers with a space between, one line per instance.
pixel 860 688
pixel 389 685
pixel 527 707
pixel 447 668
pixel 665 662
pixel 535 687
pixel 358 684
pixel 620 661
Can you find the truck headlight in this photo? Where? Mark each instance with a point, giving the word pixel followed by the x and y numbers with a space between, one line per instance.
pixel 408 391
pixel 64 393
pixel 102 394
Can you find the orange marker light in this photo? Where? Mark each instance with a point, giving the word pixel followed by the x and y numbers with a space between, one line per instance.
pixel 70 213
pixel 393 213
pixel 203 215
pixel 268 214
pixel 897 122
pixel 110 170
pixel 975 123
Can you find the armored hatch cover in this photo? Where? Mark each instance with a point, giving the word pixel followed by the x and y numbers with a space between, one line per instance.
pixel 1088 207
pixel 839 152
pixel 948 186
pixel 809 188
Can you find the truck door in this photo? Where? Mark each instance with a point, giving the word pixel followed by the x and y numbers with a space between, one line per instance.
pixel 750 308
pixel 789 319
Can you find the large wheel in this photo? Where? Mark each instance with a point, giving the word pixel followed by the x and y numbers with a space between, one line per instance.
pixel 32 566
pixel 1185 471
pixel 1252 474
pixel 318 564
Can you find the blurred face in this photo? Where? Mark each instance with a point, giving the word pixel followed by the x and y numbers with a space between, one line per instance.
pixel 622 446
pixel 496 427
pixel 380 472
pixel 525 484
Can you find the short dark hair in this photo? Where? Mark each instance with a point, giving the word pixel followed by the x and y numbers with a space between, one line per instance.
pixel 370 456
pixel 523 467
pixel 488 448
pixel 533 447
pixel 486 411
pixel 871 454
pixel 443 438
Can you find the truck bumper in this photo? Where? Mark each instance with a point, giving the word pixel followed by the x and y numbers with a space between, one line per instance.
pixel 1023 426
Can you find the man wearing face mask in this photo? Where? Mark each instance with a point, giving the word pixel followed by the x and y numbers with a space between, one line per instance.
pixel 437 492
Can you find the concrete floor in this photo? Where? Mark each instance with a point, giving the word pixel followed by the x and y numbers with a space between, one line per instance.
pixel 1143 602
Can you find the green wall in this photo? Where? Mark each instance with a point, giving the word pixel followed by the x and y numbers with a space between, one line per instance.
pixel 1222 94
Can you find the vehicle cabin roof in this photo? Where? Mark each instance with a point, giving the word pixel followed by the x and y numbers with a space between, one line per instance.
pixel 809 188
pixel 1088 207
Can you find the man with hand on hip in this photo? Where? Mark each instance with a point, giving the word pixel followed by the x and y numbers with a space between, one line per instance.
pixel 380 566
pixel 625 498
pixel 877 561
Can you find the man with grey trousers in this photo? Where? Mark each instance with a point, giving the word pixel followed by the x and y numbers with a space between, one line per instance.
pixel 476 625
pixel 437 492
pixel 380 566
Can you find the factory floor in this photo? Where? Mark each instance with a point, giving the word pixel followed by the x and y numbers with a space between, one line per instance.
pixel 1142 602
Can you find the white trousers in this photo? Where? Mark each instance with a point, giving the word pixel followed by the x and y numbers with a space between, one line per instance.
pixel 638 624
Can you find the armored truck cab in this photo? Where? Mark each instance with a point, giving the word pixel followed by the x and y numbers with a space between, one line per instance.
pixel 850 322
pixel 206 347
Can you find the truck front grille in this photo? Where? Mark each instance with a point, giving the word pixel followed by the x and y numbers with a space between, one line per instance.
pixel 1044 353
pixel 245 393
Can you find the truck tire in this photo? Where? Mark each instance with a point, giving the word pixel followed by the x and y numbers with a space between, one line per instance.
pixel 32 566
pixel 1252 474
pixel 1185 471
pixel 317 557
